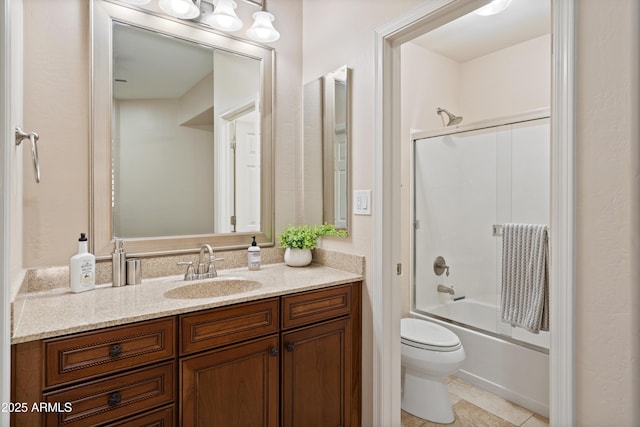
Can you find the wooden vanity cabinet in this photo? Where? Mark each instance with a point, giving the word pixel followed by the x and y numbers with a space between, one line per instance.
pixel 97 377
pixel 299 363
pixel 284 361
pixel 321 358
pixel 229 366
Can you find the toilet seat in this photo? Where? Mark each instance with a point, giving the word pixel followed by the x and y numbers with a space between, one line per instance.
pixel 427 335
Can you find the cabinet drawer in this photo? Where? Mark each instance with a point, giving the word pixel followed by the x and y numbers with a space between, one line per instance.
pixel 87 355
pixel 163 417
pixel 315 306
pixel 226 325
pixel 112 398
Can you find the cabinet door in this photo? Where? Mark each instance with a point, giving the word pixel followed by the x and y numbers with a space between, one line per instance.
pixel 234 386
pixel 316 375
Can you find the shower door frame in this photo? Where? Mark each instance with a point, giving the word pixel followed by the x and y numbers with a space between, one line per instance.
pixel 387 217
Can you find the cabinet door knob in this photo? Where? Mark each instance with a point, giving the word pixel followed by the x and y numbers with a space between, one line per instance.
pixel 290 346
pixel 114 398
pixel 115 350
pixel 274 351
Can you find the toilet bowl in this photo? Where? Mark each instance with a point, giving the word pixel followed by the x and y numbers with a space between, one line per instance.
pixel 430 353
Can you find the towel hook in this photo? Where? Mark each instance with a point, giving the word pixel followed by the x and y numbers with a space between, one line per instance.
pixel 33 137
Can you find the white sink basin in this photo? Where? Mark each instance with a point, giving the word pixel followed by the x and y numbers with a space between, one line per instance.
pixel 213 288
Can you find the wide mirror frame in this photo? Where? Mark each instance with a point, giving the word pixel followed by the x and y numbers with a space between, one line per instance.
pixel 103 14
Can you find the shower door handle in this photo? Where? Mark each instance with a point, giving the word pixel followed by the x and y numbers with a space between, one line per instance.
pixel 33 137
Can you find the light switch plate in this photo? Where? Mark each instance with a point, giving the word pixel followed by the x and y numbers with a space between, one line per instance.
pixel 362 202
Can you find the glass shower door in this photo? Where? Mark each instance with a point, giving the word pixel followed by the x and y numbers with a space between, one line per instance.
pixel 523 171
pixel 455 198
pixel 466 186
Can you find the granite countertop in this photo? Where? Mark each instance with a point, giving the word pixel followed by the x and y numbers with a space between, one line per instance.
pixel 58 312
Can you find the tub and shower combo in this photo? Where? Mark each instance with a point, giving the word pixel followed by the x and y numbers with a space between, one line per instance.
pixel 468 182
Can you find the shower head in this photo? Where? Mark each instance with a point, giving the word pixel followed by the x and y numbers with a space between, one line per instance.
pixel 453 120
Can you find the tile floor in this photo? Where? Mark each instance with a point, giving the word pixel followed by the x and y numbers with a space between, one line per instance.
pixel 474 407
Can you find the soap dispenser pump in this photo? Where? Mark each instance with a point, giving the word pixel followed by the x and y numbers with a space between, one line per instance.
pixel 254 255
pixel 119 265
pixel 82 268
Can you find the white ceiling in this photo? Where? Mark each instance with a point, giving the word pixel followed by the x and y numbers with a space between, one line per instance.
pixel 472 35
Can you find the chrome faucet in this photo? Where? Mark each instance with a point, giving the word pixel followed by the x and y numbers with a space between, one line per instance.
pixel 446 289
pixel 205 270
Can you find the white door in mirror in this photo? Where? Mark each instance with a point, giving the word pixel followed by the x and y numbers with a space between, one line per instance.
pixel 362 202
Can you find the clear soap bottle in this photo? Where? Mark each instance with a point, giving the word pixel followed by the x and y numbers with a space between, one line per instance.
pixel 82 268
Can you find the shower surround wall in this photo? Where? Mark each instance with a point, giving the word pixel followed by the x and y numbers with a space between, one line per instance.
pixel 464 184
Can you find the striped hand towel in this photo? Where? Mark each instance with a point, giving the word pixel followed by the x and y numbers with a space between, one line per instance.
pixel 525 278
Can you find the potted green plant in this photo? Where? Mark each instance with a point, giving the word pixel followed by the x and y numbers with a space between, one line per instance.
pixel 299 240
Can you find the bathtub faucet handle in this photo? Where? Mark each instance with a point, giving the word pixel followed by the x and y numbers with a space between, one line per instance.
pixel 440 266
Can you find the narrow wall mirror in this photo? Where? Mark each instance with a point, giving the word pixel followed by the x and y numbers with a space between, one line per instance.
pixel 181 135
pixel 326 137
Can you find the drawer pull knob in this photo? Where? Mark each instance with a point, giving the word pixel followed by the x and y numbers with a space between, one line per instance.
pixel 274 351
pixel 115 350
pixel 290 346
pixel 114 398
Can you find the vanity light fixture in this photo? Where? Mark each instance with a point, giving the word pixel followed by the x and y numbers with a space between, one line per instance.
pixel 493 8
pixel 224 17
pixel 220 15
pixel 184 9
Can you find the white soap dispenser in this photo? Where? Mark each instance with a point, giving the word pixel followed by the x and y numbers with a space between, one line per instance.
pixel 82 268
pixel 254 255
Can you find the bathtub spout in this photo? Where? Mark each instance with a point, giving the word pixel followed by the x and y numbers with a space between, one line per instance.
pixel 446 289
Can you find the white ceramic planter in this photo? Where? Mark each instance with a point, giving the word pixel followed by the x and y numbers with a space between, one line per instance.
pixel 297 257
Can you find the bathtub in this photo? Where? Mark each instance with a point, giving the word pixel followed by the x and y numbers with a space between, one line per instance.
pixel 511 368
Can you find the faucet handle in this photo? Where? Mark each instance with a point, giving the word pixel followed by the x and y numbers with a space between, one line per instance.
pixel 440 266
pixel 212 267
pixel 189 275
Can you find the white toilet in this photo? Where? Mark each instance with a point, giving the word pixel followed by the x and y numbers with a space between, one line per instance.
pixel 430 353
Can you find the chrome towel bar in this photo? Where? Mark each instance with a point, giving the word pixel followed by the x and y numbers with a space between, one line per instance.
pixel 33 137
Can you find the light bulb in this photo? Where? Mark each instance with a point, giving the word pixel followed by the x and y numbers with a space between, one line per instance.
pixel 184 9
pixel 262 29
pixel 224 17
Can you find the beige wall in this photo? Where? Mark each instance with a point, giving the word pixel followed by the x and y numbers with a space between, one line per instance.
pixel 336 33
pixel 57 105
pixel 606 110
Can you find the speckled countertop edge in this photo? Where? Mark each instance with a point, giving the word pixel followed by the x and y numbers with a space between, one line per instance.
pixel 59 312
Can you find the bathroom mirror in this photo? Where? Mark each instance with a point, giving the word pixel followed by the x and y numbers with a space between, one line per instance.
pixel 326 137
pixel 181 135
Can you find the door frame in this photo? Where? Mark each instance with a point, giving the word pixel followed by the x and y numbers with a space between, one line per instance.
pixel 5 155
pixel 386 299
